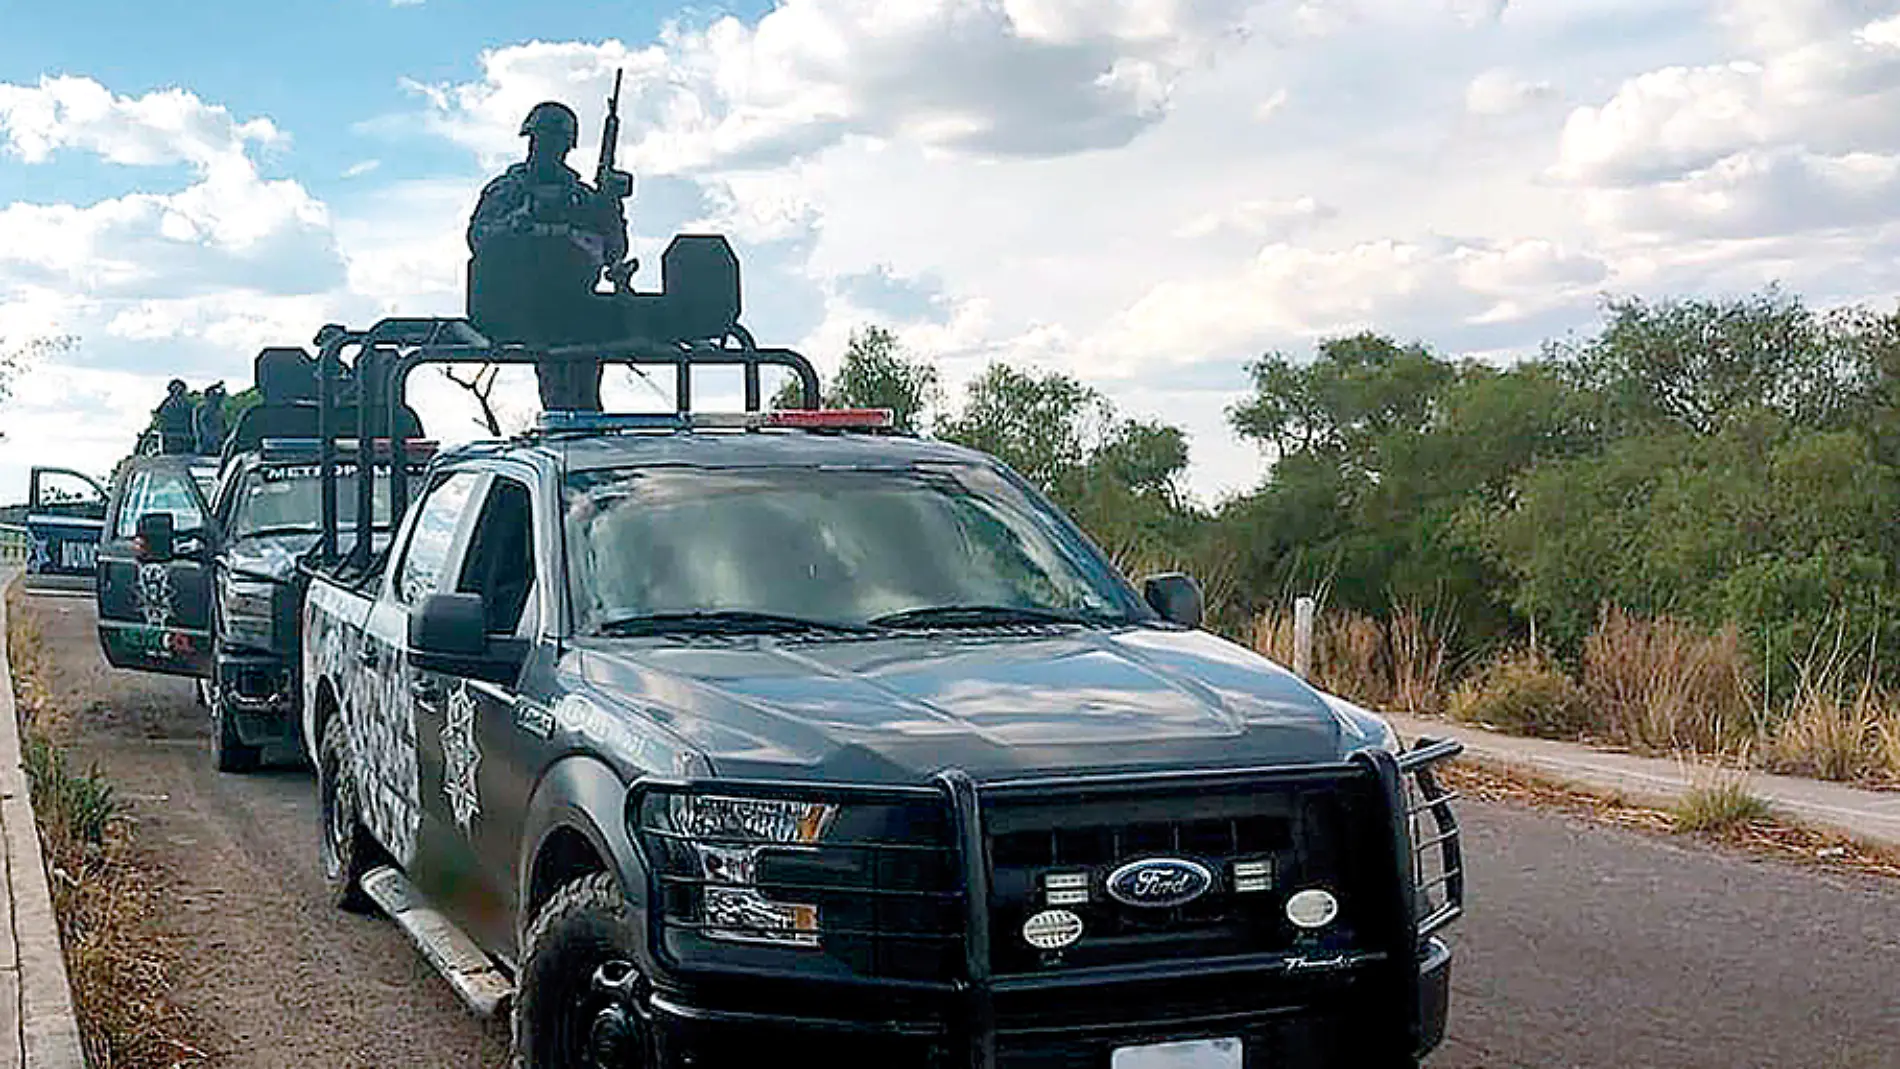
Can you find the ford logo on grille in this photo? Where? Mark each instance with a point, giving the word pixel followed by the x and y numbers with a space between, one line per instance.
pixel 1159 882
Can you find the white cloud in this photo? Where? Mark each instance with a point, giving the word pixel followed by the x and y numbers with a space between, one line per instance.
pixel 1500 92
pixel 166 126
pixel 1384 285
pixel 1783 191
pixel 1009 78
pixel 1260 218
pixel 1821 74
pixel 230 229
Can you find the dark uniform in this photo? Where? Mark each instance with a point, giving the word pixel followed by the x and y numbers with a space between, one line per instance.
pixel 541 238
pixel 209 424
pixel 173 417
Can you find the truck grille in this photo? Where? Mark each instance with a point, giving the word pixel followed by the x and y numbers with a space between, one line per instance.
pixel 1258 846
pixel 932 889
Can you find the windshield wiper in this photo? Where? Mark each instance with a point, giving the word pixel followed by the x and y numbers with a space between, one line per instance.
pixel 986 616
pixel 718 621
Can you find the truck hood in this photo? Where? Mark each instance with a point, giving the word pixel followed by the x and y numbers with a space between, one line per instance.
pixel 898 709
pixel 274 556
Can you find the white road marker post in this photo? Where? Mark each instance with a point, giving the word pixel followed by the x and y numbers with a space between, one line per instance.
pixel 1303 611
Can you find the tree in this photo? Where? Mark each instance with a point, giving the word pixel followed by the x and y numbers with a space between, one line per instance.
pixel 480 385
pixel 1357 390
pixel 1700 363
pixel 875 373
pixel 1046 426
pixel 17 356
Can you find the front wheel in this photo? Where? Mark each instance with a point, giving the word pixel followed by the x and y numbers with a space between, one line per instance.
pixel 575 977
pixel 228 751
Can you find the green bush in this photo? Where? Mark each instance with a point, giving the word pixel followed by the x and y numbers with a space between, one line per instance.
pixel 79 805
pixel 1524 693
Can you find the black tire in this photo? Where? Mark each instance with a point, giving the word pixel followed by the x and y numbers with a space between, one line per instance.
pixel 585 925
pixel 228 752
pixel 346 850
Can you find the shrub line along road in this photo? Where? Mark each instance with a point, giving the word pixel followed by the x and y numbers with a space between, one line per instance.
pixel 1585 945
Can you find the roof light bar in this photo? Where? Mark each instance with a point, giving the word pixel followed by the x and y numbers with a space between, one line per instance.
pixel 568 421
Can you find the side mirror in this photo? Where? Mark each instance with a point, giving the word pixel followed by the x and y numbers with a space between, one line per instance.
pixel 448 626
pixel 1176 597
pixel 448 633
pixel 154 541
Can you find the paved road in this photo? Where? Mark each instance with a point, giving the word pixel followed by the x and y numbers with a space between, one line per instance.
pixel 1586 945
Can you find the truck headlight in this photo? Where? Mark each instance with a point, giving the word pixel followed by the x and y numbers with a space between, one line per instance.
pixel 724 840
pixel 249 612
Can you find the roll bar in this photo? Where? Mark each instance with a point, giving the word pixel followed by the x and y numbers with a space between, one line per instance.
pixel 390 350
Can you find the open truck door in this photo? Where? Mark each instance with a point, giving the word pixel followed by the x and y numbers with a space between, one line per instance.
pixel 154 573
pixel 65 512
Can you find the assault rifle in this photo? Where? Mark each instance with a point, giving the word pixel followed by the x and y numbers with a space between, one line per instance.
pixel 615 184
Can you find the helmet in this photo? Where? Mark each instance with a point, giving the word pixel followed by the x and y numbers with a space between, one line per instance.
pixel 552 117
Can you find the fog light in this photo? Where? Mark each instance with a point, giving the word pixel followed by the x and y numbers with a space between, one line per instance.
pixel 1312 908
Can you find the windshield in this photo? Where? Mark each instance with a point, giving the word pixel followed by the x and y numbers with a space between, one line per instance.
pixel 207 480
pixel 283 500
pixel 843 547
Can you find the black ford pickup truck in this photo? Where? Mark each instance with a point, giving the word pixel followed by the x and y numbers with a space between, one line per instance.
pixel 782 737
pixel 198 568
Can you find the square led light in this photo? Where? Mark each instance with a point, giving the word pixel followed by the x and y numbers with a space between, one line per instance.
pixel 1253 876
pixel 1066 888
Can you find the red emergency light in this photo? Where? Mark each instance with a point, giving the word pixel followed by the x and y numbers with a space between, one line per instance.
pixel 833 418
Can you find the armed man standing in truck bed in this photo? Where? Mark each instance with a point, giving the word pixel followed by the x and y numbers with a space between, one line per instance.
pixel 541 240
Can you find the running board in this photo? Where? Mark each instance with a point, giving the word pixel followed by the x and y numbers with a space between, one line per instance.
pixel 482 987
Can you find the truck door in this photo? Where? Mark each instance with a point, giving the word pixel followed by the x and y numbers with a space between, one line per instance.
pixel 154 605
pixel 65 511
pixel 477 766
pixel 389 711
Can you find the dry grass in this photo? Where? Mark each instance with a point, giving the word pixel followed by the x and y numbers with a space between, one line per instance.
pixel 105 898
pixel 1663 686
pixel 1657 686
pixel 1421 658
pixel 1829 737
pixel 1349 656
pixel 1524 692
pixel 1719 807
pixel 1839 725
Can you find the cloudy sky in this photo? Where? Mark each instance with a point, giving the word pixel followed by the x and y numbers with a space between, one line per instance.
pixel 1147 193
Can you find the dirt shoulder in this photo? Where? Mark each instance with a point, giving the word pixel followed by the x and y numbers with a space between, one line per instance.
pixel 259 970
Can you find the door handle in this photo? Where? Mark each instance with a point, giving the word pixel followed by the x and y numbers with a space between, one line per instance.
pixel 367 656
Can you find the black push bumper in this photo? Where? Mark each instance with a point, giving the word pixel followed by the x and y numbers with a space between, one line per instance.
pixel 1329 1027
pixel 1379 1000
pixel 260 694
